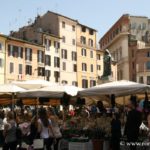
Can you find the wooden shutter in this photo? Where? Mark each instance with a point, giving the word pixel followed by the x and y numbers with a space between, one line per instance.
pixel 30 54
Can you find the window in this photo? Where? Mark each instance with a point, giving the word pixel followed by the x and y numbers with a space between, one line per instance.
pixel 73 28
pixel 56 75
pixel 74 83
pixel 11 69
pixel 64 53
pixel 133 65
pixel 120 52
pixel 148 80
pixel 148 54
pixel 73 42
pixel 57 46
pixel 64 39
pixel 10 50
pixel 20 68
pixel 83 52
pixel 143 26
pixel 41 71
pixel 98 57
pixel 47 60
pixel 56 62
pixel 0 46
pixel 83 40
pixel 92 68
pixel 28 54
pixel 83 29
pixel 63 24
pixel 47 74
pixel 91 42
pixel 74 67
pixel 120 75
pixel 40 56
pixel 91 32
pixel 98 67
pixel 148 65
pixel 64 82
pixel 20 52
pixel 74 56
pixel 15 51
pixel 47 44
pixel 64 66
pixel 141 79
pixel 28 70
pixel 1 62
pixel 84 67
pixel 91 54
pixel 84 83
pixel 92 83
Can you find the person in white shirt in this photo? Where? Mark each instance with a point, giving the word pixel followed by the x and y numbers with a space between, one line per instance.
pixel 45 129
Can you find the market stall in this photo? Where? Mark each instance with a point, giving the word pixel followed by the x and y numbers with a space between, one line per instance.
pixel 119 88
pixel 52 91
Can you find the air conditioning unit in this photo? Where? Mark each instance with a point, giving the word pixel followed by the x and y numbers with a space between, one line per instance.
pixel 19 76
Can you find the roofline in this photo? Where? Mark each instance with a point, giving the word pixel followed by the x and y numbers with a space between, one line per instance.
pixel 55 36
pixel 62 16
pixel 100 50
pixel 87 26
pixel 20 40
pixel 72 20
pixel 2 35
pixel 124 15
pixel 139 16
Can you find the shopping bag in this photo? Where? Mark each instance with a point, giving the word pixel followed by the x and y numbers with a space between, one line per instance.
pixel 38 143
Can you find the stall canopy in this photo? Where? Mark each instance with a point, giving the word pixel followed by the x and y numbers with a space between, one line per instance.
pixel 119 88
pixel 10 88
pixel 53 91
pixel 33 84
pixel 7 93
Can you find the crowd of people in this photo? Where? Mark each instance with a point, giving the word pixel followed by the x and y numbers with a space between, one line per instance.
pixel 26 125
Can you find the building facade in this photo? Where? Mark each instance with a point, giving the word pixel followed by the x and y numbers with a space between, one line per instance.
pixel 52 57
pixel 117 39
pixel 22 61
pixel 68 58
pixel 75 67
pixel 86 56
pixel 59 26
pixel 2 58
pixel 140 61
pixel 100 63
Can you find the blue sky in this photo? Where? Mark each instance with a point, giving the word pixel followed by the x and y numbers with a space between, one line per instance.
pixel 98 14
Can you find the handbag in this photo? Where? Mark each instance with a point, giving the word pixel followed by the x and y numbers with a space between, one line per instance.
pixel 57 132
pixel 38 143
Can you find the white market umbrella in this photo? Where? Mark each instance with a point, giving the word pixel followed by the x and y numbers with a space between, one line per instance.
pixel 119 88
pixel 53 91
pixel 33 84
pixel 10 89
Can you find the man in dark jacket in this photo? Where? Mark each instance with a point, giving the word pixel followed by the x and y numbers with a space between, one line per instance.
pixel 115 132
pixel 133 123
